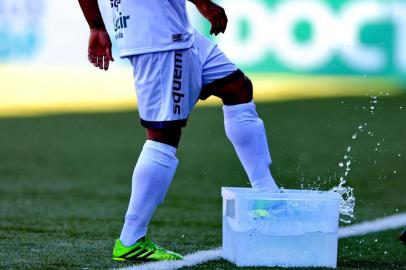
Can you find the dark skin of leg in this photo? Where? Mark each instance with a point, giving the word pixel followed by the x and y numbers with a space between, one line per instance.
pixel 233 93
pixel 170 136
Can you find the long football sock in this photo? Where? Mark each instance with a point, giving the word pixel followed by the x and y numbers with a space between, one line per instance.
pixel 152 176
pixel 246 132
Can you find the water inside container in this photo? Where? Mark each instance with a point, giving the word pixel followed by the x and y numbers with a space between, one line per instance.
pixel 293 229
pixel 255 248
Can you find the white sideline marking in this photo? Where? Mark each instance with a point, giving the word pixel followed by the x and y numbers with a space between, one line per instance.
pixel 189 260
pixel 377 225
pixel 363 228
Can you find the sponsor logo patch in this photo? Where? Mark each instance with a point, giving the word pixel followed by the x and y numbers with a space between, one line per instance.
pixel 177 94
pixel 177 37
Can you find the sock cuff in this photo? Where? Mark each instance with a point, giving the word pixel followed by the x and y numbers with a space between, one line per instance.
pixel 231 111
pixel 239 107
pixel 161 147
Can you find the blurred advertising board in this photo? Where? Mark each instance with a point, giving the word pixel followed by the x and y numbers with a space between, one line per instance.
pixel 20 29
pixel 41 32
pixel 360 43
pixel 366 37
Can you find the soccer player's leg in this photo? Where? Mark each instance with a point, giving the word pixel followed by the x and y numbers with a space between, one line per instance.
pixel 152 176
pixel 243 127
pixel 157 162
pixel 151 179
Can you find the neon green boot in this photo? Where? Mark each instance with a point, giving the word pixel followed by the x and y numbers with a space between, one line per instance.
pixel 144 249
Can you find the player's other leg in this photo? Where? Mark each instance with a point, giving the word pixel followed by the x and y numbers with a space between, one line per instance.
pixel 151 179
pixel 154 80
pixel 245 129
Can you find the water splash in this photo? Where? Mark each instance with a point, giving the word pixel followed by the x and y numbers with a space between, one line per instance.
pixel 347 202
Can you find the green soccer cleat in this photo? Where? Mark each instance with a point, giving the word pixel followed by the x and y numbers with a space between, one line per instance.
pixel 144 249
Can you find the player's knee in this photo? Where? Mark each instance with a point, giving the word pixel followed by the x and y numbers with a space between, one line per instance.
pixel 170 136
pixel 242 92
pixel 248 89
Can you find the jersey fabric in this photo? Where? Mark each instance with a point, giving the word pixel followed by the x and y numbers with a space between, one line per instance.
pixel 144 26
pixel 168 84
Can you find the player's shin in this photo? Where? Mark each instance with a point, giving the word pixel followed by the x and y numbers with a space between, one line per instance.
pixel 246 132
pixel 152 176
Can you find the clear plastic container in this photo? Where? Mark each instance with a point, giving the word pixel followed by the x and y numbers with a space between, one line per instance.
pixel 296 228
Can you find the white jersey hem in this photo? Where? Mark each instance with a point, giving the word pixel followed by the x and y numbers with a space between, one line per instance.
pixel 175 46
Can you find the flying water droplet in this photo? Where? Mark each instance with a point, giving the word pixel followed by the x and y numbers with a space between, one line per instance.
pixel 341 164
pixel 354 136
pixel 347 201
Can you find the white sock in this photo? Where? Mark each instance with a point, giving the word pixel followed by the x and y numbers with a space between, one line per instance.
pixel 152 176
pixel 246 132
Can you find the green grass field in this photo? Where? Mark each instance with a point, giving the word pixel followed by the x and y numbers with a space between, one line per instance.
pixel 65 179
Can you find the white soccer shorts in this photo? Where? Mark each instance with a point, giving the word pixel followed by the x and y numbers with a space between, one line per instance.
pixel 168 84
